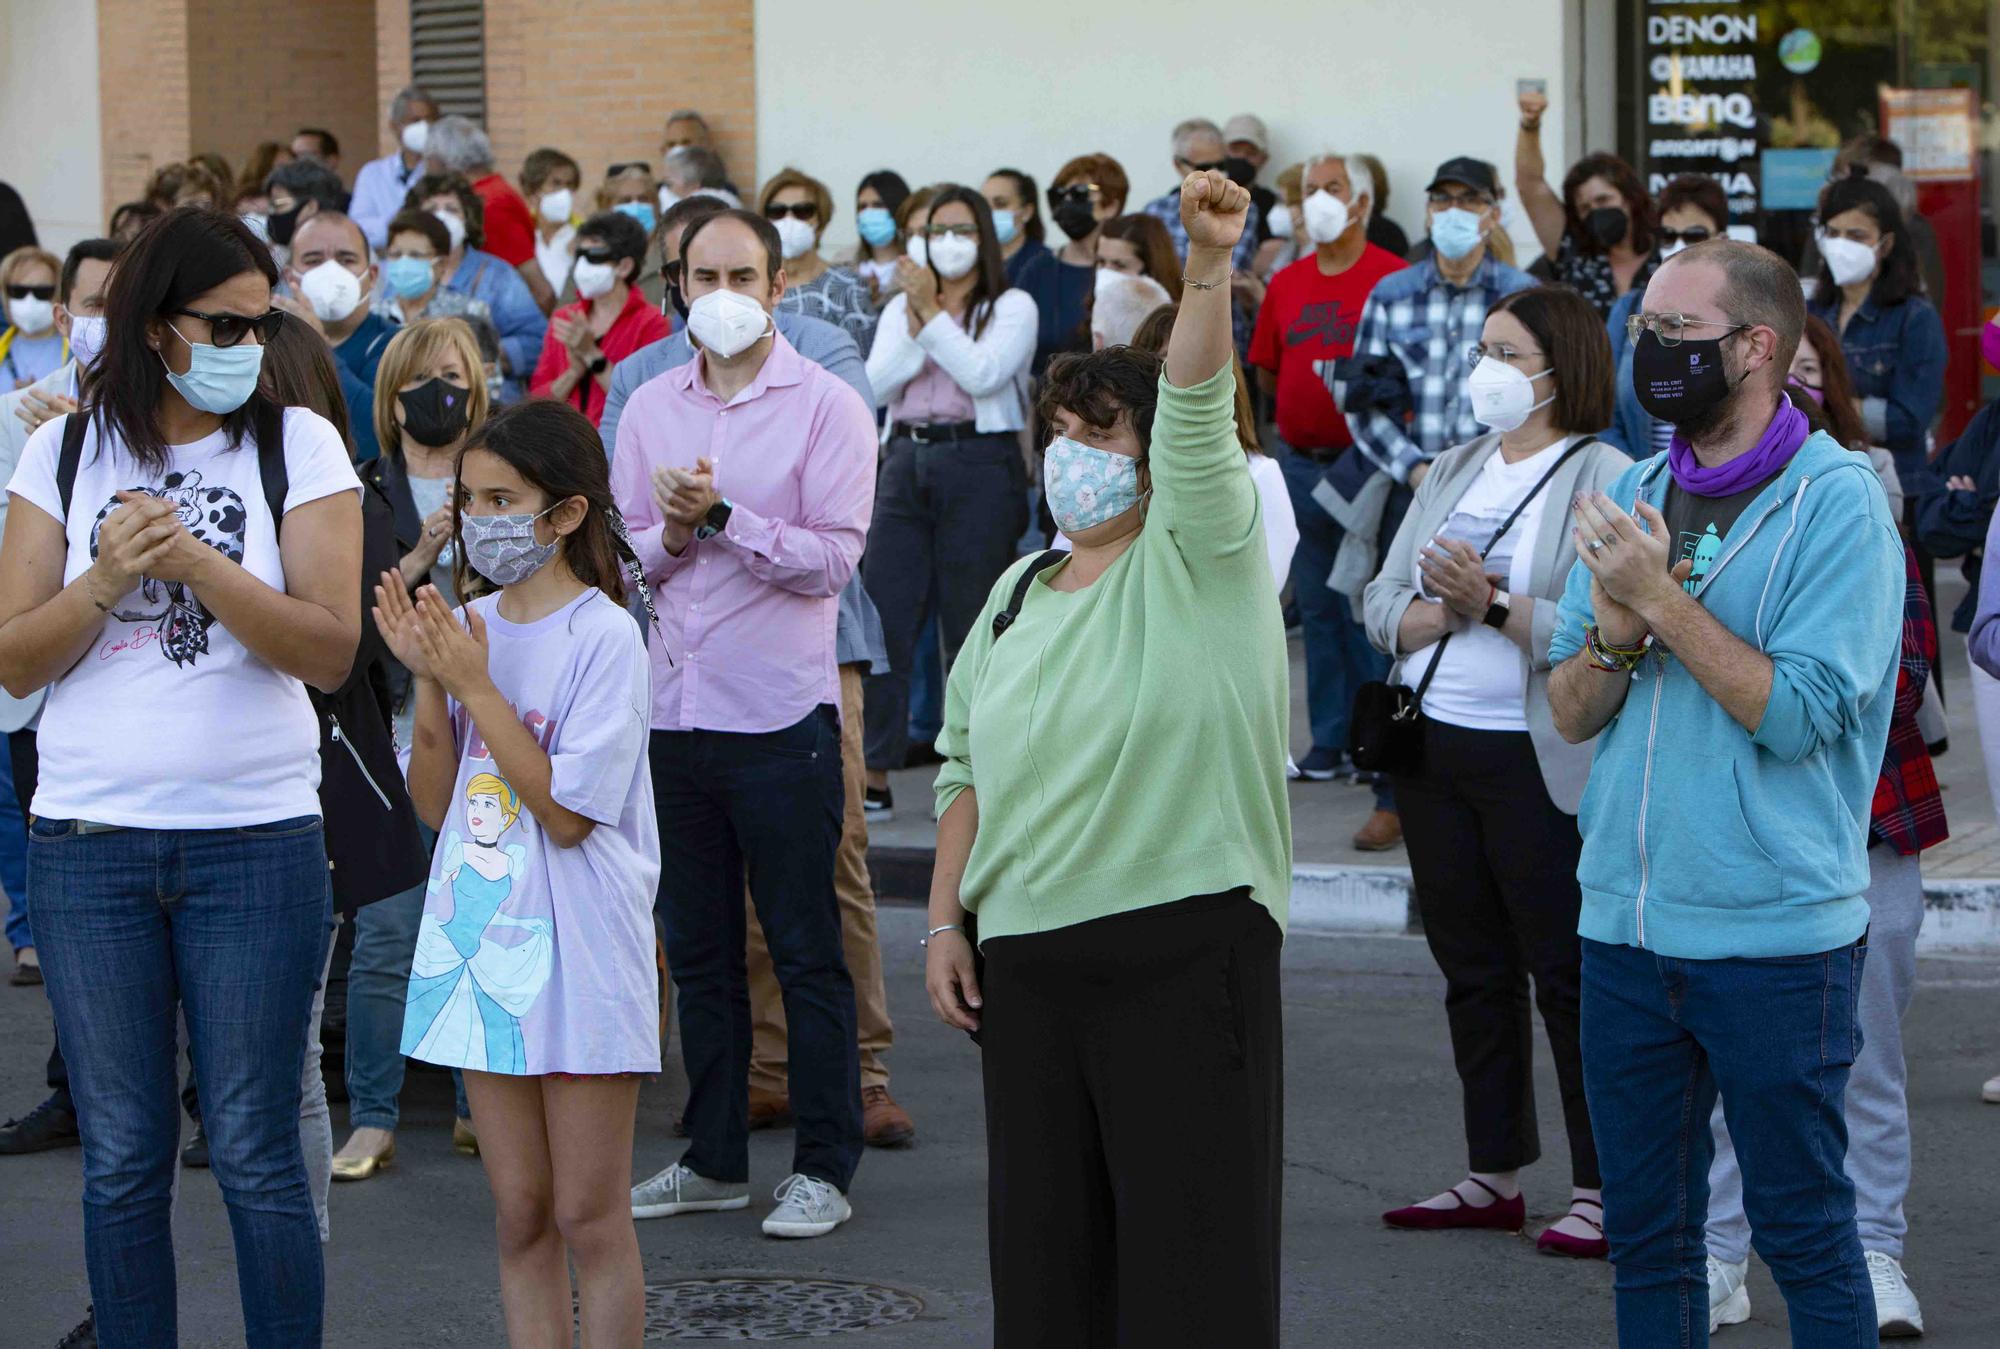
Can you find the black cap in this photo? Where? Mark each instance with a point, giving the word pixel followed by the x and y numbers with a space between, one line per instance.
pixel 1476 173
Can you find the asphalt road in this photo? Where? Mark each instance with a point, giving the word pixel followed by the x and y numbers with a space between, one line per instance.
pixel 1372 1123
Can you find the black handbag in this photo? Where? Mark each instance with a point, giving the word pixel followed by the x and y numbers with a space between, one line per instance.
pixel 1386 729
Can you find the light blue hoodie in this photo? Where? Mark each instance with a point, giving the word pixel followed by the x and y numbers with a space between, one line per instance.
pixel 1701 840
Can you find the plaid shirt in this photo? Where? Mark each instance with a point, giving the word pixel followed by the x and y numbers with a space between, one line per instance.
pixel 1909 813
pixel 1427 323
pixel 1167 210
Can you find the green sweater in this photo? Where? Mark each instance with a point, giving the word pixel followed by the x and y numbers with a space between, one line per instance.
pixel 1127 741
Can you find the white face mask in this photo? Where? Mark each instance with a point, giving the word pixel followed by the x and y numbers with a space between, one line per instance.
pixel 1847 260
pixel 918 249
pixel 796 237
pixel 555 206
pixel 1503 397
pixel 86 337
pixel 1280 221
pixel 1668 250
pixel 727 322
pixel 31 315
pixel 331 290
pixel 594 278
pixel 454 225
pixel 1327 217
pixel 668 199
pixel 417 137
pixel 953 256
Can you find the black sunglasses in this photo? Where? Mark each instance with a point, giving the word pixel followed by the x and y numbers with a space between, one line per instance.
pixel 616 169
pixel 1073 192
pixel 23 292
pixel 1687 236
pixel 226 330
pixel 1204 168
pixel 597 255
pixel 799 210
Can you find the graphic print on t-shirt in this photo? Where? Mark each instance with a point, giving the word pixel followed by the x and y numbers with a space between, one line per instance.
pixel 1323 322
pixel 216 517
pixel 1701 550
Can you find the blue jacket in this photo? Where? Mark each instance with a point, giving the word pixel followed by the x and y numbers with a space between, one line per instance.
pixel 516 317
pixel 1954 524
pixel 1700 839
pixel 1631 425
pixel 1896 354
pixel 357 359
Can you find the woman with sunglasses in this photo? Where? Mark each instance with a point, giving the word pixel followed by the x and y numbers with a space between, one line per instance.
pixel 799 206
pixel 30 347
pixel 1692 210
pixel 1086 192
pixel 609 321
pixel 177 870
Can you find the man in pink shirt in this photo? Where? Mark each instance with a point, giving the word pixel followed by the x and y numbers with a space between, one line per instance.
pixel 747 477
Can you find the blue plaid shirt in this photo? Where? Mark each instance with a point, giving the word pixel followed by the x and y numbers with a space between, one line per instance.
pixel 1427 323
pixel 1167 210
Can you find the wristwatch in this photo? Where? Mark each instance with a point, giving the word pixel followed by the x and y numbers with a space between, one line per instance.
pixel 1496 612
pixel 715 521
pixel 598 366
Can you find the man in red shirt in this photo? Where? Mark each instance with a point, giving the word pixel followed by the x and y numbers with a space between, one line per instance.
pixel 609 321
pixel 457 145
pixel 1310 313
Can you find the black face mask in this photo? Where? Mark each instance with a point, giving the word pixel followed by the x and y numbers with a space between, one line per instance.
pixel 1607 225
pixel 677 300
pixel 281 224
pixel 1240 170
pixel 1685 386
pixel 1075 218
pixel 434 413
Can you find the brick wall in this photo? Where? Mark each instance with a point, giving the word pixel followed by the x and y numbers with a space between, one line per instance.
pixel 142 58
pixel 392 63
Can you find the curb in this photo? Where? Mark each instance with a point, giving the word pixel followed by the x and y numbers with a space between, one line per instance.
pixel 1328 898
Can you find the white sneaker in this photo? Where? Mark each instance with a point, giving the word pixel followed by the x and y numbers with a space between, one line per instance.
pixel 679 1190
pixel 1728 1299
pixel 807 1207
pixel 1897 1315
pixel 1990 1093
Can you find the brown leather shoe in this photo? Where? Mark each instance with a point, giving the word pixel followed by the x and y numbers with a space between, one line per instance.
pixel 884 1124
pixel 1383 831
pixel 768 1110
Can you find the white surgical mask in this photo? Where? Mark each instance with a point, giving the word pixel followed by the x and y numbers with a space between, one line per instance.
pixel 594 278
pixel 1503 397
pixel 727 322
pixel 953 256
pixel 258 223
pixel 555 206
pixel 86 337
pixel 31 315
pixel 416 137
pixel 331 290
pixel 668 198
pixel 796 237
pixel 454 225
pixel 1847 260
pixel 1280 220
pixel 1326 217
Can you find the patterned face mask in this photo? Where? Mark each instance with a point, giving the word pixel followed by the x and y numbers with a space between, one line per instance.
pixel 1086 486
pixel 502 548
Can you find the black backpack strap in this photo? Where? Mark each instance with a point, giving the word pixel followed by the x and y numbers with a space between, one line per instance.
pixel 271 471
pixel 71 458
pixel 1005 618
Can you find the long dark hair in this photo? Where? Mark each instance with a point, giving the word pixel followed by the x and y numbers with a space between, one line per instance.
pixel 889 186
pixel 1896 280
pixel 1625 180
pixel 186 252
pixel 299 371
pixel 1025 189
pixel 557 451
pixel 1836 386
pixel 1154 245
pixel 991 269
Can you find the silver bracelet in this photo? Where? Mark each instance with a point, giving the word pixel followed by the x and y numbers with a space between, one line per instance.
pixel 948 927
pixel 1203 285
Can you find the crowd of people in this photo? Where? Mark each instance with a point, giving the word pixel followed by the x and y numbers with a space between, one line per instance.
pixel 565 580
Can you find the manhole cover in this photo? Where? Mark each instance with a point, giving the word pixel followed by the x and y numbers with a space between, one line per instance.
pixel 771 1308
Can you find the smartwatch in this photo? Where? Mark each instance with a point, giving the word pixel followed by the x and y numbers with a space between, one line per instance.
pixel 715 521
pixel 1496 612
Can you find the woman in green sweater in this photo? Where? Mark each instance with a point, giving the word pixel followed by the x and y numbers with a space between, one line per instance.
pixel 1112 810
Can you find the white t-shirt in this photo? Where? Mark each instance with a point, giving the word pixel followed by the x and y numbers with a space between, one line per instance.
pixel 1482 682
pixel 1281 524
pixel 555 255
pixel 167 722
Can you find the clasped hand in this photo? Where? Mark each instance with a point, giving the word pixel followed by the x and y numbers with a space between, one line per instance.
pixel 1630 566
pixel 683 496
pixel 428 638
pixel 1455 573
pixel 145 537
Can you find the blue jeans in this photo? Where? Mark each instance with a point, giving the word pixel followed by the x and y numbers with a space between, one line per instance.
pixel 13 859
pixel 228 928
pixel 1776 1038
pixel 927 687
pixel 378 985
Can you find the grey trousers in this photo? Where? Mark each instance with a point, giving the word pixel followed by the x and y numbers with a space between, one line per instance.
pixel 1878 1120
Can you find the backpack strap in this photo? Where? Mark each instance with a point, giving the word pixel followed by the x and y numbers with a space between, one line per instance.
pixel 71 457
pixel 1005 618
pixel 270 432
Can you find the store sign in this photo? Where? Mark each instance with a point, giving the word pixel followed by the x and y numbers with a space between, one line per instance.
pixel 1701 62
pixel 1938 130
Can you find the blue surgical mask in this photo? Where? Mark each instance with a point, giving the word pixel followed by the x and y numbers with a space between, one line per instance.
pixel 1086 486
pixel 640 211
pixel 1455 232
pixel 219 379
pixel 878 227
pixel 409 277
pixel 502 548
pixel 1004 228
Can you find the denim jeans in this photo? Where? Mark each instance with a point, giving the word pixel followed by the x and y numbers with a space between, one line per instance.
pixel 227 927
pixel 927 686
pixel 378 986
pixel 13 859
pixel 1661 1036
pixel 769 804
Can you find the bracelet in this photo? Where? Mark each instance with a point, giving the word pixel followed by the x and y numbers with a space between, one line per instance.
pixel 1611 659
pixel 1531 126
pixel 1203 285
pixel 948 927
pixel 91 592
pixel 1635 651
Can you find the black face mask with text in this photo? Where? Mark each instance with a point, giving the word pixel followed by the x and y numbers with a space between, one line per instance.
pixel 1687 385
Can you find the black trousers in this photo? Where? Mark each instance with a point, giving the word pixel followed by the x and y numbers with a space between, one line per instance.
pixel 769 804
pixel 1494 863
pixel 26 764
pixel 1134 1072
pixel 947 518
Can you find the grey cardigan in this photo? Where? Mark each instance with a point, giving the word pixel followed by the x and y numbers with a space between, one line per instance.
pixel 1565 767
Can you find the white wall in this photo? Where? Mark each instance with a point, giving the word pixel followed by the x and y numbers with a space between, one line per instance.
pixel 50 150
pixel 955 91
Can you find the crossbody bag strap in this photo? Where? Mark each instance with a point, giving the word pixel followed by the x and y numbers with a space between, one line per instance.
pixel 1005 618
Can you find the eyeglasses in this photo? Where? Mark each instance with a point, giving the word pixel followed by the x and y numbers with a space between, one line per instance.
pixel 1465 201
pixel 955 231
pixel 226 330
pixel 1500 352
pixel 1203 167
pixel 1688 236
pixel 1072 192
pixel 635 166
pixel 597 255
pixel 23 292
pixel 1671 328
pixel 807 211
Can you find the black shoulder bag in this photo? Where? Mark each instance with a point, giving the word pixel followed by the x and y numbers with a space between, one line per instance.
pixel 1385 731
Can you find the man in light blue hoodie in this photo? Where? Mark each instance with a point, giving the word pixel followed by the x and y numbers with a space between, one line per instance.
pixel 1734 639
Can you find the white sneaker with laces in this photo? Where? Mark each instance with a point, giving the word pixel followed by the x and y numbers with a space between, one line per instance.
pixel 1897 1315
pixel 1728 1299
pixel 807 1207
pixel 678 1190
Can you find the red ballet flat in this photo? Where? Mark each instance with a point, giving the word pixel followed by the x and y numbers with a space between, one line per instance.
pixel 1552 1242
pixel 1502 1215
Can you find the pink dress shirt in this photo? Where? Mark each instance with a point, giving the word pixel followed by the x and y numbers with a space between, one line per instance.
pixel 749 614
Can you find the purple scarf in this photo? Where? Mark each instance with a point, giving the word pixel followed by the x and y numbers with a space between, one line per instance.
pixel 1782 438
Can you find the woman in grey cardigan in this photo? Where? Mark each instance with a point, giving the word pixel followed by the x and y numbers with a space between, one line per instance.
pixel 1489 809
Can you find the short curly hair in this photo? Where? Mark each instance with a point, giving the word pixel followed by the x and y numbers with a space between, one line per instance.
pixel 1099 386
